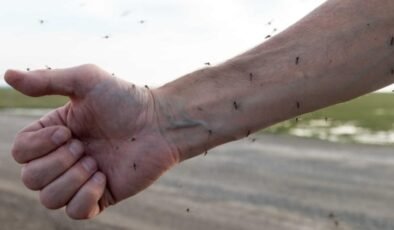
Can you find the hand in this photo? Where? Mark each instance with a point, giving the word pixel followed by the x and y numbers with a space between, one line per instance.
pixel 105 145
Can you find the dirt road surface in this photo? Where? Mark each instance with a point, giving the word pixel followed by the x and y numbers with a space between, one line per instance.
pixel 274 183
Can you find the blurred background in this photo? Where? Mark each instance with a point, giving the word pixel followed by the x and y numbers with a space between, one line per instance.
pixel 330 169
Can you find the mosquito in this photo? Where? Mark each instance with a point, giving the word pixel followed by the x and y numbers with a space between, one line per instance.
pixel 297 60
pixel 236 106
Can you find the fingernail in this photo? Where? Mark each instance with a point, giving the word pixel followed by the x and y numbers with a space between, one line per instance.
pixel 75 148
pixel 89 164
pixel 99 178
pixel 60 136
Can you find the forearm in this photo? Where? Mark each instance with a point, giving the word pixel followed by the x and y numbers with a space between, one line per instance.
pixel 342 50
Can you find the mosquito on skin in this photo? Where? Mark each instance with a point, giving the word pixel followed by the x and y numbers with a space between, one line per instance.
pixel 236 106
pixel 298 105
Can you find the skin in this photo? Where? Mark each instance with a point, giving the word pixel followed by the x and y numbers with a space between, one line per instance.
pixel 124 137
pixel 110 122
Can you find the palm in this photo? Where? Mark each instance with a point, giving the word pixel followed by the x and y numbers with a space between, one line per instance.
pixel 117 123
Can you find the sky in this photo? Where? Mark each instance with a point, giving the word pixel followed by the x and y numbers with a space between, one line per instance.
pixel 175 38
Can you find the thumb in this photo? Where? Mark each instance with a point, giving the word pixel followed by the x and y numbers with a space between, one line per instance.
pixel 68 82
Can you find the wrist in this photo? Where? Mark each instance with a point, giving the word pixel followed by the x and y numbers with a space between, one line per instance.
pixel 184 117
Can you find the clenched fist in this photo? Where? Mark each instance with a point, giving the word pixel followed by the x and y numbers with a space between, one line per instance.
pixel 103 146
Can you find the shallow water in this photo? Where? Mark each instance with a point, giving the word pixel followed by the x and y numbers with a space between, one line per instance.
pixel 347 132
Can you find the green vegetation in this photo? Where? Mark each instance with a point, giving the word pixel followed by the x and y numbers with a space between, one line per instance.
pixel 374 112
pixel 10 98
pixel 368 120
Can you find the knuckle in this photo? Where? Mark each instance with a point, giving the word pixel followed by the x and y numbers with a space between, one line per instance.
pixel 48 201
pixel 30 178
pixel 22 143
pixel 76 213
pixel 17 155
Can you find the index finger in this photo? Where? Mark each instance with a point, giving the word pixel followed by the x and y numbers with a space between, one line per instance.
pixel 32 145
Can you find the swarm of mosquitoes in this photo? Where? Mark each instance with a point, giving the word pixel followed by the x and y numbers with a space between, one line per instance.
pixel 235 104
pixel 274 30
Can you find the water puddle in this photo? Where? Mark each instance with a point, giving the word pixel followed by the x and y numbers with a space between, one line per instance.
pixel 349 132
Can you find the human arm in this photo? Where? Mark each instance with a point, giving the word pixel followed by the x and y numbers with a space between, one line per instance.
pixel 340 51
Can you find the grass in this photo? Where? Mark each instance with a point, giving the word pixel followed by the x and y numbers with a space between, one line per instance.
pixel 10 98
pixel 374 112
